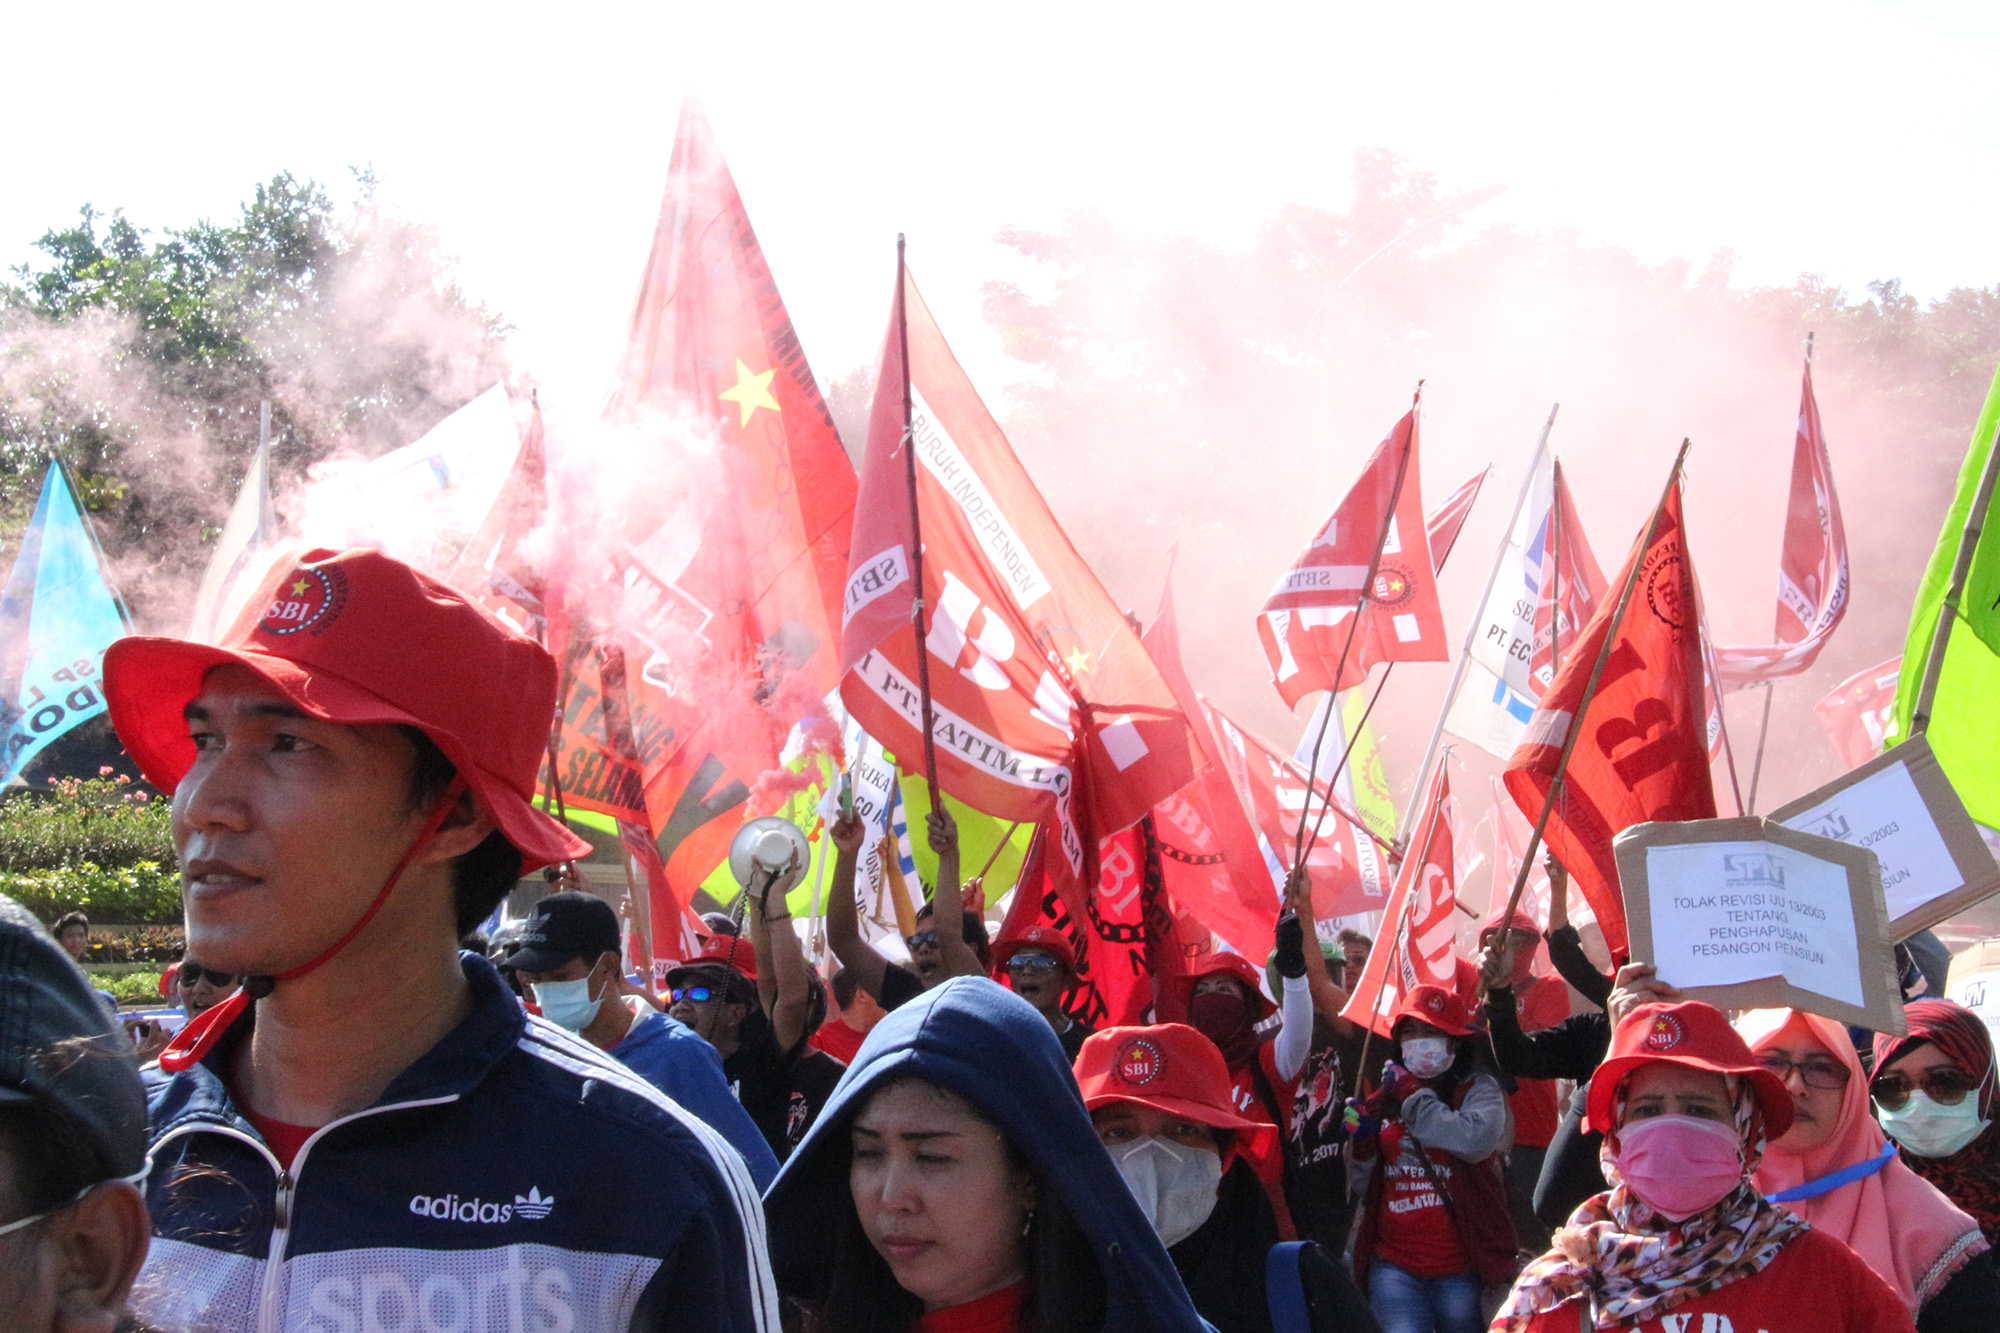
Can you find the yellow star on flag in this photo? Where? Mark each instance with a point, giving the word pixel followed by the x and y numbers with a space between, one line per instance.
pixel 1078 661
pixel 750 392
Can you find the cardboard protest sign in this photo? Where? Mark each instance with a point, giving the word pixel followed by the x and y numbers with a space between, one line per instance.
pixel 1901 806
pixel 1975 983
pixel 1749 914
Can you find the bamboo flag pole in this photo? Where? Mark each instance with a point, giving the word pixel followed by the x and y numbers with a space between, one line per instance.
pixel 1333 802
pixel 916 533
pixel 1764 724
pixel 998 848
pixel 1354 626
pixel 1590 686
pixel 1961 566
pixel 1472 629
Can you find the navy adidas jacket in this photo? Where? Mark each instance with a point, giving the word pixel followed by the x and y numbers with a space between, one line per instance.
pixel 991 1047
pixel 513 1178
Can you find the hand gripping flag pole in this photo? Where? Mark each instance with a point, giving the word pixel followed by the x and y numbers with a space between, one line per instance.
pixel 1590 687
pixel 1353 628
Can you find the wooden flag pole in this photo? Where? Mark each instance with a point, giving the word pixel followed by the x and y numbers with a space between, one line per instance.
pixel 1757 766
pixel 1333 801
pixel 1354 627
pixel 1961 566
pixel 916 534
pixel 1590 687
pixel 998 848
pixel 1472 629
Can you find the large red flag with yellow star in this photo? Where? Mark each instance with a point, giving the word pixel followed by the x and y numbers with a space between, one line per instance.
pixel 1047 705
pixel 721 583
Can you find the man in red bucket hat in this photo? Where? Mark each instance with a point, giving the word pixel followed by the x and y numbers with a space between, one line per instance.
pixel 352 776
pixel 1039 965
pixel 1683 1239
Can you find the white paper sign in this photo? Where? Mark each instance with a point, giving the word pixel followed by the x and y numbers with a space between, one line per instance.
pixel 1731 912
pixel 1886 814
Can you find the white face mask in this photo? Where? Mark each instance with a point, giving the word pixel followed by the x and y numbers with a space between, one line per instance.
pixel 1930 1130
pixel 567 1004
pixel 1175 1183
pixel 1427 1057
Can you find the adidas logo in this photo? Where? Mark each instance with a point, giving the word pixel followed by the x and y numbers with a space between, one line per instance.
pixel 533 1206
pixel 450 1208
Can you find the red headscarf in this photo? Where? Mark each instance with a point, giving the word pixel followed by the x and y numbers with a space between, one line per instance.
pixel 1969 1177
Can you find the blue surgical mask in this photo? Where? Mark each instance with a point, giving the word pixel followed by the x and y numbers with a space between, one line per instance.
pixel 1930 1130
pixel 567 1004
pixel 1427 1057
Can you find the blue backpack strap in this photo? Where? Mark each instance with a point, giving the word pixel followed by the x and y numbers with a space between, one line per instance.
pixel 1284 1292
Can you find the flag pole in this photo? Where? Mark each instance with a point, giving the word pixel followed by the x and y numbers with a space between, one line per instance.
pixel 1333 801
pixel 1590 686
pixel 1354 626
pixel 1713 678
pixel 1472 629
pixel 916 533
pixel 1395 953
pixel 1757 767
pixel 1968 544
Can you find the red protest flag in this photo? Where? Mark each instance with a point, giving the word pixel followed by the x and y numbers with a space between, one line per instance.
pixel 1855 715
pixel 1636 751
pixel 1418 928
pixel 1343 863
pixel 1211 863
pixel 1443 524
pixel 1812 568
pixel 1307 624
pixel 723 588
pixel 1046 705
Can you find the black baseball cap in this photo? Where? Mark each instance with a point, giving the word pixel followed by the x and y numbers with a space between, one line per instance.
pixel 60 1049
pixel 565 926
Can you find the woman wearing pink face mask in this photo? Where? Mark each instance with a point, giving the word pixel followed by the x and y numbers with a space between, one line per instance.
pixel 1683 1240
pixel 1835 1169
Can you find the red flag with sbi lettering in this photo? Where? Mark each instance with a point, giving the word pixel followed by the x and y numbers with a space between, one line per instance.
pixel 1641 753
pixel 1306 622
pixel 1812 569
pixel 720 575
pixel 1047 707
pixel 1856 713
pixel 1419 912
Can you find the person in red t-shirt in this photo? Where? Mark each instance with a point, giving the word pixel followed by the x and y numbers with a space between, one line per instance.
pixel 841 1036
pixel 1507 951
pixel 1683 1241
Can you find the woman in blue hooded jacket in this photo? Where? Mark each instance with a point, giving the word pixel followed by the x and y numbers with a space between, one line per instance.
pixel 954 1184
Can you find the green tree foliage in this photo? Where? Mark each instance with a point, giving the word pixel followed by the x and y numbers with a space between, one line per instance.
pixel 1223 398
pixel 97 845
pixel 141 358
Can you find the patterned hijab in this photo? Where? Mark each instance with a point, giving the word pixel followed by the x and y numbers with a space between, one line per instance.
pixel 1630 1264
pixel 1969 1177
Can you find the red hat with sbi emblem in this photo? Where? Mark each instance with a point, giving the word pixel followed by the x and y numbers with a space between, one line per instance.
pixel 1050 941
pixel 358 638
pixel 1169 1067
pixel 1693 1034
pixel 1435 1005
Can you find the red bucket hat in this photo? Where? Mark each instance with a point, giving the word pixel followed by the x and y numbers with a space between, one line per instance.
pixel 1170 1068
pixel 1034 937
pixel 1692 1034
pixel 358 638
pixel 1223 963
pixel 732 952
pixel 1435 1005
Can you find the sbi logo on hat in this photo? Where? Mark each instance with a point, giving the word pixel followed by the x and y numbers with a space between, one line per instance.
pixel 1665 1034
pixel 1140 1061
pixel 306 597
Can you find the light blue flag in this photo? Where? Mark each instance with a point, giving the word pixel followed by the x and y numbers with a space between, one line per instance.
pixel 57 617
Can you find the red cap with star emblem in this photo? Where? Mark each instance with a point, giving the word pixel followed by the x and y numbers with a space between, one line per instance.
pixel 1435 1005
pixel 1050 941
pixel 358 638
pixel 1169 1067
pixel 1693 1034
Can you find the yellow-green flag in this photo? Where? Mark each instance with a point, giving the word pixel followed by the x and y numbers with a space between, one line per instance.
pixel 1964 726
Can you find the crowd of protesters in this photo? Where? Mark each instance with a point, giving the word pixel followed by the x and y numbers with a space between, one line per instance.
pixel 364 1124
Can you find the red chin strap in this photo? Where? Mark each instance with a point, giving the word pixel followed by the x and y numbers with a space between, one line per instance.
pixel 192 1043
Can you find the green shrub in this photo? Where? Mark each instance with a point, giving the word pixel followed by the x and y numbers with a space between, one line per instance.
pixel 132 948
pixel 146 893
pixel 141 988
pixel 94 822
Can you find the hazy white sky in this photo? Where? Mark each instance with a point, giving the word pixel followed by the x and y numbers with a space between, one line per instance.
pixel 1855 140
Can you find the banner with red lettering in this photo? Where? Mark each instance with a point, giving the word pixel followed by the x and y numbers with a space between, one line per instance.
pixel 1812 569
pixel 1418 923
pixel 1641 754
pixel 1856 713
pixel 1047 706
pixel 1307 620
